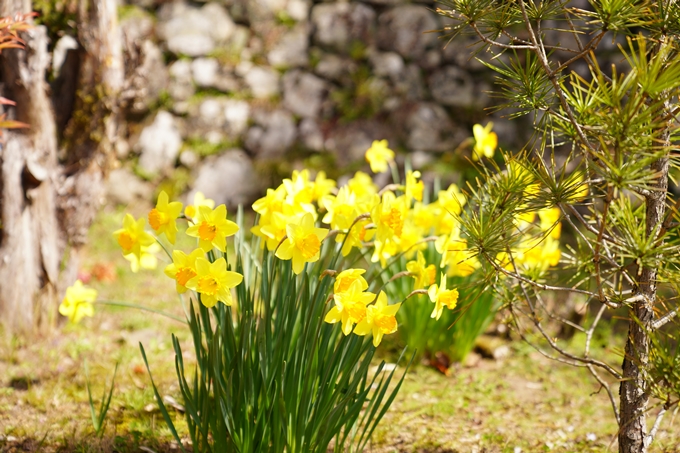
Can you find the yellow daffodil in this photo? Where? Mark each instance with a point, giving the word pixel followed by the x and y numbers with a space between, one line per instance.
pixel 550 221
pixel 132 236
pixel 322 186
pixel 199 200
pixel 379 156
pixel 350 307
pixel 485 141
pixel 389 216
pixel 214 282
pixel 421 272
pixel 414 188
pixel 78 302
pixel 356 236
pixel 459 261
pixel 345 279
pixel 212 228
pixel 147 258
pixel 163 218
pixel 442 297
pixel 362 185
pixel 183 267
pixel 539 254
pixel 341 209
pixel 380 319
pixel 303 243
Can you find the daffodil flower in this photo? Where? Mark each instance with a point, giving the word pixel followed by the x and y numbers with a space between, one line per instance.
pixel 350 307
pixel 380 319
pixel 485 141
pixel 183 267
pixel 302 244
pixel 414 188
pixel 199 200
pixel 421 272
pixel 163 218
pixel 442 297
pixel 212 228
pixel 379 156
pixel 550 221
pixel 214 282
pixel 78 302
pixel 132 236
pixel 345 279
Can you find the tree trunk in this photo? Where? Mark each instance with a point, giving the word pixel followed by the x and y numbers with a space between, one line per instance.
pixel 634 394
pixel 49 196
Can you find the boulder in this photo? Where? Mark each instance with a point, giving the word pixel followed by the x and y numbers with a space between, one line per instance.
pixel 262 81
pixel 124 187
pixel 228 178
pixel 159 144
pixel 181 85
pixel 292 48
pixel 236 114
pixel 272 135
pixel 310 134
pixel 454 87
pixel 193 31
pixel 403 29
pixel 303 93
pixel 337 25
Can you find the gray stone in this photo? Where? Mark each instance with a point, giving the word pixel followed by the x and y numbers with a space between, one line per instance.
pixel 159 144
pixel 228 178
pixel 303 93
pixel 310 134
pixel 337 25
pixel 409 83
pixel 148 76
pixel 236 114
pixel 403 29
pixel 211 113
pixel 334 67
pixel 181 86
pixel 262 81
pixel 298 9
pixel 386 64
pixel 192 31
pixel 204 71
pixel 349 142
pixel 188 158
pixel 453 86
pixel 429 128
pixel 123 187
pixel 274 132
pixel 291 50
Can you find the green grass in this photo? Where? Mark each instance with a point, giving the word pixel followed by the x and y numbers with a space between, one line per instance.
pixel 523 402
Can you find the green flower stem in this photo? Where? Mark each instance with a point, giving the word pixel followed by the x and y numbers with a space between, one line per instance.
pixel 116 303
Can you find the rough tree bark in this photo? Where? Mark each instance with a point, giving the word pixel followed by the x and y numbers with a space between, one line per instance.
pixel 48 195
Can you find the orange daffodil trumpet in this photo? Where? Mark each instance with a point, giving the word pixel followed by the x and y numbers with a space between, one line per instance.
pixel 379 320
pixel 212 228
pixel 303 243
pixel 132 236
pixel 213 281
pixel 163 218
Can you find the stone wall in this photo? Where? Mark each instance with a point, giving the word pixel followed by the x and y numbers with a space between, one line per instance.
pixel 227 95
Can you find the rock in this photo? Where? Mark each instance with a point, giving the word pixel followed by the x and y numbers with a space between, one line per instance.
pixel 123 187
pixel 228 178
pixel 291 51
pixel 272 135
pixel 454 87
pixel 194 32
pixel 429 128
pixel 335 68
pixel 262 81
pixel 303 93
pixel 386 64
pixel 403 29
pixel 236 114
pixel 188 158
pixel 349 142
pixel 211 113
pixel 298 9
pixel 204 71
pixel 310 134
pixel 181 86
pixel 409 83
pixel 159 144
pixel 337 25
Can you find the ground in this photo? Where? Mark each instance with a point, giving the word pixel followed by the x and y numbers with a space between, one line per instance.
pixel 522 403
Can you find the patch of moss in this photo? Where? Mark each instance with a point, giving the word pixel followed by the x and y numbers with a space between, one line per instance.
pixel 361 98
pixel 205 148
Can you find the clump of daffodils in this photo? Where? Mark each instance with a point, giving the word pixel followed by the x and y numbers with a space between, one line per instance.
pixel 306 215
